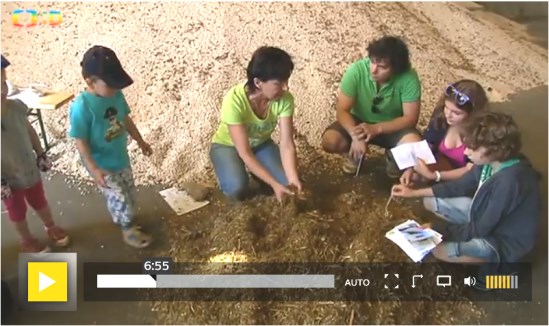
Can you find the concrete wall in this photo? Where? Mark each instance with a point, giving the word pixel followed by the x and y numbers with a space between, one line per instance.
pixel 518 10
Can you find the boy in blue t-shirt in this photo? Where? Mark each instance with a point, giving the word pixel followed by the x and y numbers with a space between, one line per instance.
pixel 100 124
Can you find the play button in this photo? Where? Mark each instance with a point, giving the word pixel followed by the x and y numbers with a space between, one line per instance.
pixel 47 281
pixel 44 281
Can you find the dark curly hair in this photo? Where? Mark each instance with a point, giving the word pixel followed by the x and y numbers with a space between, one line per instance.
pixel 478 101
pixel 394 50
pixel 495 131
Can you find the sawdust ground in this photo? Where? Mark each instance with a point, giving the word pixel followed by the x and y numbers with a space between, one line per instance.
pixel 184 56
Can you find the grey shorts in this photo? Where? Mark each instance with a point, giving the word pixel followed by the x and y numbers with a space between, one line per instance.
pixel 456 211
pixel 386 141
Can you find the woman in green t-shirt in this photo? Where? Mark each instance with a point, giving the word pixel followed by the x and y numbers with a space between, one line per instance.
pixel 249 113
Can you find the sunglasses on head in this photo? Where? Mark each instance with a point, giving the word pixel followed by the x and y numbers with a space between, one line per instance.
pixel 460 97
pixel 377 100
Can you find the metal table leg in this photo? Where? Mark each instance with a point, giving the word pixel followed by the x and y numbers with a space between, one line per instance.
pixel 42 130
pixel 38 116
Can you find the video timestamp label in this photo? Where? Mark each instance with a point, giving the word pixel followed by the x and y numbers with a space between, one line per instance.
pixel 157 265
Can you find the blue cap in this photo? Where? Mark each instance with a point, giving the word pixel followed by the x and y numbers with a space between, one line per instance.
pixel 5 62
pixel 102 62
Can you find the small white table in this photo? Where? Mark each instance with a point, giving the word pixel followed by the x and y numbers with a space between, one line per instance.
pixel 49 101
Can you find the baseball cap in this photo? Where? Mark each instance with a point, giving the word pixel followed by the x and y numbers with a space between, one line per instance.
pixel 5 62
pixel 102 62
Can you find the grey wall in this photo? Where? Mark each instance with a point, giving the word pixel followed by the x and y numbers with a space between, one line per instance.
pixel 518 10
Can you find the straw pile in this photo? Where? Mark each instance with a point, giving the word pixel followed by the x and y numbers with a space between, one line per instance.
pixel 343 220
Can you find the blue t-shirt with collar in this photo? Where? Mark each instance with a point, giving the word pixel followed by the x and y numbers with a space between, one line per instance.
pixel 100 121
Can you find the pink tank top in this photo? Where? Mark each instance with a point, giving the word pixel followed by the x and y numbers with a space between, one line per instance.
pixel 456 155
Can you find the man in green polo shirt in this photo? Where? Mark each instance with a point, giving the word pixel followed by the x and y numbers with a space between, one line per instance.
pixel 378 103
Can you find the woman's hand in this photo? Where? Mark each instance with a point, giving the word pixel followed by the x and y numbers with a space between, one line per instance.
pixel 401 191
pixel 281 191
pixel 406 177
pixel 422 169
pixel 297 184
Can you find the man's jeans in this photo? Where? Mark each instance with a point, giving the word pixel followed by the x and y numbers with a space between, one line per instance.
pixel 231 172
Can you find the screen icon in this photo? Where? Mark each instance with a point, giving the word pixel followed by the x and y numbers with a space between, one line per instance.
pixel 47 281
pixel 444 280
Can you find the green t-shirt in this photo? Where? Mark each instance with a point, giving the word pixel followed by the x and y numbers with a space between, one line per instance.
pixel 236 110
pixel 357 83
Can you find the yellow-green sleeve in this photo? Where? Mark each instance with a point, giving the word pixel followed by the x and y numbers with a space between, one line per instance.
pixel 288 106
pixel 231 110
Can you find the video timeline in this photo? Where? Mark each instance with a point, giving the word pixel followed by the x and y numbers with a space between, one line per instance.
pixel 306 282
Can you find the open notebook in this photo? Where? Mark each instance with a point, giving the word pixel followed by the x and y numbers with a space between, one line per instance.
pixel 407 155
pixel 415 241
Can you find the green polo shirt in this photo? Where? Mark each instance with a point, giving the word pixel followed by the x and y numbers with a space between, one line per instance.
pixel 357 83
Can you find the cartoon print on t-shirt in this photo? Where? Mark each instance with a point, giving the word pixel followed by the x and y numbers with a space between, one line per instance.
pixel 116 128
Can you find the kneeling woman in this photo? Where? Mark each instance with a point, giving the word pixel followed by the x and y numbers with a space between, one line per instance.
pixel 249 113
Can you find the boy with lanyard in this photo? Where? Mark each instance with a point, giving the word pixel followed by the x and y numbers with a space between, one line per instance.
pixel 500 222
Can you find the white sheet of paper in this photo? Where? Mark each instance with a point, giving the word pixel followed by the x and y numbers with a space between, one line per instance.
pixel 27 96
pixel 180 201
pixel 406 155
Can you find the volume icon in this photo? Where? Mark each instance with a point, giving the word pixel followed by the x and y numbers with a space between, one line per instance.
pixel 470 281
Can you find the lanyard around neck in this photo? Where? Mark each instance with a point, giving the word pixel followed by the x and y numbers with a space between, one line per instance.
pixel 487 170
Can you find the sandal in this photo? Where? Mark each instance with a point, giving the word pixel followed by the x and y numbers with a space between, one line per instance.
pixel 136 238
pixel 58 236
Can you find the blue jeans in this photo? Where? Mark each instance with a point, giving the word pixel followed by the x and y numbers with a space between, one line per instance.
pixel 456 211
pixel 231 172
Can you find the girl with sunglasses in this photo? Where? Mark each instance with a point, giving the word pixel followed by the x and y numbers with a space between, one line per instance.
pixel 459 101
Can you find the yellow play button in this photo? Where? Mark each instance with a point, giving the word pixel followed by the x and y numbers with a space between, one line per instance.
pixel 47 281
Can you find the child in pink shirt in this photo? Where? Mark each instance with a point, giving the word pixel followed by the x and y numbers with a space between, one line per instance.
pixel 458 103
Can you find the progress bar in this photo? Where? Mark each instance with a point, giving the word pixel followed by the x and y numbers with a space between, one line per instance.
pixel 205 281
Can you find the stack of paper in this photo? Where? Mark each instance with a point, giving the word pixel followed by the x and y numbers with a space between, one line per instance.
pixel 407 155
pixel 416 241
